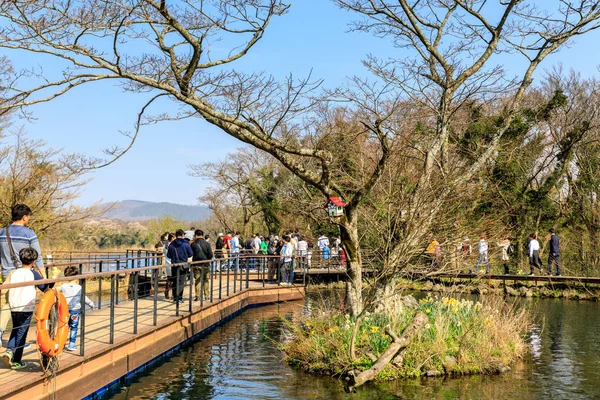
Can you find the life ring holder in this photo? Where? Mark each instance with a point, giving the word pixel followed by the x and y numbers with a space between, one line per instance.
pixel 52 347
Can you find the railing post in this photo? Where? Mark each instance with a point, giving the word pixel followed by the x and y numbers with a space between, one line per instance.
pixel 228 277
pixel 135 301
pixel 241 279
pixel 82 282
pixel 100 287
pixel 176 295
pixel 191 288
pixel 111 339
pixel 212 278
pixel 248 272
pixel 202 287
pixel 155 274
pixel 218 262
pixel 236 263
pixel 117 281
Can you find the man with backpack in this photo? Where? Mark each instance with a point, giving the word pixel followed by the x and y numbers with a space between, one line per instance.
pixel 202 252
pixel 272 260
pixel 179 252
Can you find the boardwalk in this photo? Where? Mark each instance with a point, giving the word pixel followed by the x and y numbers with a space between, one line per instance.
pixel 22 384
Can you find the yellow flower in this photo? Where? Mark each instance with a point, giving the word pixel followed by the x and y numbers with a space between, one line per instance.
pixel 312 332
pixel 374 329
pixel 454 309
pixel 427 311
pixel 331 330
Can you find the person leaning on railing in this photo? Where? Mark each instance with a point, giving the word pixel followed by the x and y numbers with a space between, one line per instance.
pixel 201 252
pixel 13 238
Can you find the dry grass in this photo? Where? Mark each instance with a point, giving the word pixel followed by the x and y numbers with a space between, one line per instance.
pixel 481 337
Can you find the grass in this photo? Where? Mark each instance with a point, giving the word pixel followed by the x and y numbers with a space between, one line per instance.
pixel 480 337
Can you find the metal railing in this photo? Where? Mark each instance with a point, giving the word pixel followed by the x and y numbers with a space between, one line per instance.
pixel 137 287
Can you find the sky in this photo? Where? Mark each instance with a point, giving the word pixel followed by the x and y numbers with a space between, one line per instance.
pixel 312 36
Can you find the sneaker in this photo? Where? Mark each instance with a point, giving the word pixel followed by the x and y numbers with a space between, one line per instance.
pixel 18 365
pixel 196 298
pixel 71 347
pixel 531 274
pixel 27 346
pixel 558 275
pixel 7 358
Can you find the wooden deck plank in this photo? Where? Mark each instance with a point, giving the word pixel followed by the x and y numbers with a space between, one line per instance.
pixel 98 332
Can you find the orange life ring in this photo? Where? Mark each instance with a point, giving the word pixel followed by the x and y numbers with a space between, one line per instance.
pixel 47 345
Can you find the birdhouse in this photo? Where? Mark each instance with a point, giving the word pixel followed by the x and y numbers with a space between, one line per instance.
pixel 335 207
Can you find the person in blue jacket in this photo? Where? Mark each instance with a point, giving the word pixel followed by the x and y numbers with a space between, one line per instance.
pixel 179 251
pixel 554 253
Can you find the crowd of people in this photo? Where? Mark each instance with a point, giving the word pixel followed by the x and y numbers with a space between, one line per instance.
pixel 280 255
pixel 505 252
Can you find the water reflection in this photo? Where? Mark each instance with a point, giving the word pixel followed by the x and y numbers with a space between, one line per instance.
pixel 240 360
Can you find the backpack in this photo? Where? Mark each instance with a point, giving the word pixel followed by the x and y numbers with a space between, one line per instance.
pixel 510 250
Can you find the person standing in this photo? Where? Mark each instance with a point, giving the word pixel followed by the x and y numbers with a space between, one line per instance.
pixel 170 278
pixel 179 252
pixel 13 239
pixel 505 252
pixel 482 249
pixel 287 252
pixel 219 245
pixel 22 304
pixel 202 252
pixel 554 253
pixel 534 253
pixel 235 247
pixel 72 292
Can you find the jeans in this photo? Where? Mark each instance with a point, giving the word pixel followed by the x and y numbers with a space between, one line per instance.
pixel 178 284
pixel 285 271
pixel 534 261
pixel 202 280
pixel 556 260
pixel 73 325
pixel 18 335
pixel 483 259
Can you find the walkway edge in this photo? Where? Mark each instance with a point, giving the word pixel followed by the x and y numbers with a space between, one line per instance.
pixel 98 372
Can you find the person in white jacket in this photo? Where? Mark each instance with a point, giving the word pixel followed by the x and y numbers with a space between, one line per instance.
pixel 534 253
pixel 72 292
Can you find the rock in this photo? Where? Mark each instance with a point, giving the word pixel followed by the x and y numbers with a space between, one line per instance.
pixel 437 288
pixel 525 292
pixel 427 286
pixel 449 364
pixel 511 291
pixel 504 369
pixel 433 373
pixel 410 302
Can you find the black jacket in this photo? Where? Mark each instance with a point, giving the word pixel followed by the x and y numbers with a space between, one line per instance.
pixel 201 250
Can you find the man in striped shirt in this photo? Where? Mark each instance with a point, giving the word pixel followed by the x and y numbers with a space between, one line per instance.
pixel 21 237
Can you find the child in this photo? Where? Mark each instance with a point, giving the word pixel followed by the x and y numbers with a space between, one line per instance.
pixel 72 292
pixel 22 303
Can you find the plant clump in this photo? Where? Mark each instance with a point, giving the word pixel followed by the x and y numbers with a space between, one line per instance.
pixel 461 337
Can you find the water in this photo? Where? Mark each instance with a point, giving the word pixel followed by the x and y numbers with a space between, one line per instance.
pixel 240 360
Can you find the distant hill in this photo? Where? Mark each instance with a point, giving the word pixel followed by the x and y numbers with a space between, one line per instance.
pixel 136 210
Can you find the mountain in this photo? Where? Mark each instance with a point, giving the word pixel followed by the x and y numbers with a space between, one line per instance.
pixel 136 210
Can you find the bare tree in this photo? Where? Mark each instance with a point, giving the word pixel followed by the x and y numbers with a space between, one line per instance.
pixel 166 50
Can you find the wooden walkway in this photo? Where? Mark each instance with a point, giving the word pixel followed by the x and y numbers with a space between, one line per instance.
pixel 97 328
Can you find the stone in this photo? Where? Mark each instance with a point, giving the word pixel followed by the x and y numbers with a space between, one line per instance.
pixel 511 291
pixel 525 292
pixel 427 286
pixel 437 288
pixel 410 302
pixel 449 364
pixel 433 373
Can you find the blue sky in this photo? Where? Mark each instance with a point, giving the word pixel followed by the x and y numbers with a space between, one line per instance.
pixel 313 35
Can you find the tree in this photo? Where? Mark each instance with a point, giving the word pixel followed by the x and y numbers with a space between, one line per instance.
pixel 36 175
pixel 101 40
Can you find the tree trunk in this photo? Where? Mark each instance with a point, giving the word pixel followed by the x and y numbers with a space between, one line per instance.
pixel 398 344
pixel 350 243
